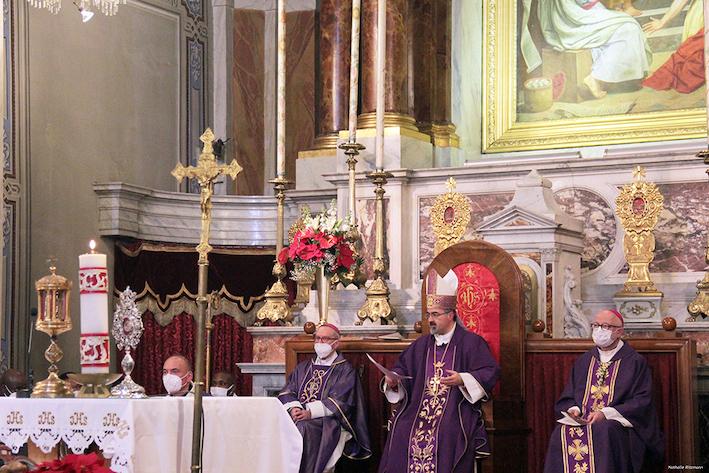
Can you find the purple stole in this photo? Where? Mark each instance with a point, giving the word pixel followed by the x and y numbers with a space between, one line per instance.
pixel 577 442
pixel 311 389
pixel 423 440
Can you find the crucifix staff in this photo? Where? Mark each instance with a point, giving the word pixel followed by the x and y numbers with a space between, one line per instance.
pixel 205 172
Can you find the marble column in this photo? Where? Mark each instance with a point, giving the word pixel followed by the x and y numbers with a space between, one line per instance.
pixel 334 26
pixel 431 70
pixel 396 101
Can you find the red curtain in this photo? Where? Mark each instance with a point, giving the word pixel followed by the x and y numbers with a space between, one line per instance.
pixel 547 373
pixel 231 343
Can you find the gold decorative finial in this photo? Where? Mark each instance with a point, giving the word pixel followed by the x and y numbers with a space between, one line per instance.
pixel 450 184
pixel 639 173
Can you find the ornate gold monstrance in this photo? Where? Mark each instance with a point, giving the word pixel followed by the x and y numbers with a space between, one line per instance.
pixel 206 172
pixel 638 206
pixel 450 216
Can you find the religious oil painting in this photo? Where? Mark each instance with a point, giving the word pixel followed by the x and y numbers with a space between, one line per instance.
pixel 572 73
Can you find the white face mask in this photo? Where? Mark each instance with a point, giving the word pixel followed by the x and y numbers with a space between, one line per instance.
pixel 602 337
pixel 172 382
pixel 323 350
pixel 217 391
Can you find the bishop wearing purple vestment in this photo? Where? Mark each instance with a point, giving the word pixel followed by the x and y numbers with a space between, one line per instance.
pixel 324 398
pixel 608 423
pixel 443 378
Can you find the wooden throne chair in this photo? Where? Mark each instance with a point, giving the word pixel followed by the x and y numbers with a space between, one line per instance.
pixel 490 303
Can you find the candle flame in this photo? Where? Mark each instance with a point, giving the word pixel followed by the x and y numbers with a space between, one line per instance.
pixel 92 245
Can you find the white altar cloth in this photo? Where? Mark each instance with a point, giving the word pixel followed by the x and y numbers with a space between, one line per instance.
pixel 250 434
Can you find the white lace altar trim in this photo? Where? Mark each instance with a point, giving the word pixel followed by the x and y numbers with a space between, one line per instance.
pixel 77 422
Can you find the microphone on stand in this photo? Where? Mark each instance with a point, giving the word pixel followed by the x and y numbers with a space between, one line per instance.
pixel 30 371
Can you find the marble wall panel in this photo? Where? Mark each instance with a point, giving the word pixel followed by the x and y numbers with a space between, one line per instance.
pixel 248 95
pixel 681 232
pixel 482 205
pixel 271 349
pixel 599 223
pixel 300 85
pixel 366 211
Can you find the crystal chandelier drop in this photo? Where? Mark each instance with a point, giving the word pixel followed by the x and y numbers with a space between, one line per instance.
pixel 107 7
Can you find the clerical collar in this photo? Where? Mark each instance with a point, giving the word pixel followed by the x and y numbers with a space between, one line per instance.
pixel 328 360
pixel 445 338
pixel 606 356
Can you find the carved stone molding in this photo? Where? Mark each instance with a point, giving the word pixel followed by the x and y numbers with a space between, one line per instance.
pixel 131 211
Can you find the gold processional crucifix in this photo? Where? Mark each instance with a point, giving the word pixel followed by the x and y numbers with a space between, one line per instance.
pixel 206 172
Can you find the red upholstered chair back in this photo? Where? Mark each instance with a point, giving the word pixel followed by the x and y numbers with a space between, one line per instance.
pixel 490 303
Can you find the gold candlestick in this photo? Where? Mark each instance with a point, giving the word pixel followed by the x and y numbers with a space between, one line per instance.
pixel 377 307
pixel 276 307
pixel 206 172
pixel 53 318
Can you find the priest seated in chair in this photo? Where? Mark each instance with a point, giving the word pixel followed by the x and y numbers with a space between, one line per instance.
pixel 324 398
pixel 608 420
pixel 442 380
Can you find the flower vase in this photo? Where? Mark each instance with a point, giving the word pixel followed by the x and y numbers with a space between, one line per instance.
pixel 322 282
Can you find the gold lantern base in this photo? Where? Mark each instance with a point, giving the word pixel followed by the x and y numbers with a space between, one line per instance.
pixel 95 385
pixel 52 387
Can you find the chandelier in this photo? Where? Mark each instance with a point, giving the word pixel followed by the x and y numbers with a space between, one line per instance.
pixel 107 7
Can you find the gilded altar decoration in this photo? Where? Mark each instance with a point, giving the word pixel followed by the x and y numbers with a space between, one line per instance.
pixel 450 216
pixel 638 206
pixel 53 318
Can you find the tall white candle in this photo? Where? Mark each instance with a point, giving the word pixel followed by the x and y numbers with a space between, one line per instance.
pixel 93 295
pixel 354 70
pixel 381 65
pixel 281 92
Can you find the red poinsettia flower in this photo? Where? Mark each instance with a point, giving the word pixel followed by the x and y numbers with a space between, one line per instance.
pixel 326 241
pixel 282 257
pixel 90 463
pixel 345 256
pixel 310 252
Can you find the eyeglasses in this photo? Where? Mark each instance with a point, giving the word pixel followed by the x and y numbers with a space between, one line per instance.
pixel 605 326
pixel 325 339
pixel 435 315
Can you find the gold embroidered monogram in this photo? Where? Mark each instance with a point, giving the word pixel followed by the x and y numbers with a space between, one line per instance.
pixel 311 391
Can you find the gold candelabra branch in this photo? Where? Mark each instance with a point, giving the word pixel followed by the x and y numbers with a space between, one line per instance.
pixel 205 172
pixel 377 307
pixel 276 307
pixel 700 304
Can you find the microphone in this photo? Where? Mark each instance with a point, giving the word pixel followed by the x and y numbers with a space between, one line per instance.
pixel 30 372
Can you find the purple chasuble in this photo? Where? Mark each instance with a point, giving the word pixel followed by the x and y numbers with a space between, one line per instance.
pixel 625 384
pixel 338 388
pixel 435 429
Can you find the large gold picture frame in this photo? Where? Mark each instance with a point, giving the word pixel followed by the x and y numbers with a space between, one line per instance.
pixel 502 131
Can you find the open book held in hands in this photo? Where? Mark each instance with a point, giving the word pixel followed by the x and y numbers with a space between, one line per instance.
pixel 573 421
pixel 387 372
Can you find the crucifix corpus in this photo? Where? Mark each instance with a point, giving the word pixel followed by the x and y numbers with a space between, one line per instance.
pixel 206 172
